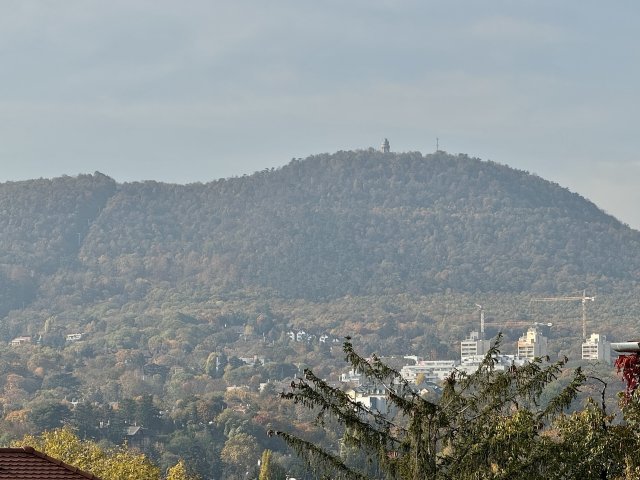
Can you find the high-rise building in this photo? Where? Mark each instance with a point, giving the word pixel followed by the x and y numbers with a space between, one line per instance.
pixel 532 344
pixel 596 348
pixel 385 147
pixel 473 346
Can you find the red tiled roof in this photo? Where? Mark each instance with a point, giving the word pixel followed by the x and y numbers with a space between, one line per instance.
pixel 26 463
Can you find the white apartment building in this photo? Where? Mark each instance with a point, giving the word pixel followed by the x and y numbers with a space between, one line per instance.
pixel 502 362
pixel 596 348
pixel 373 397
pixel 473 346
pixel 532 344
pixel 433 370
pixel 352 376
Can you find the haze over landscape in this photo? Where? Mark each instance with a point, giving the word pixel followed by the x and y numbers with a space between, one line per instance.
pixel 199 224
pixel 204 90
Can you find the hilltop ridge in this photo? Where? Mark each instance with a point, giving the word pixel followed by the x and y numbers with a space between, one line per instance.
pixel 349 223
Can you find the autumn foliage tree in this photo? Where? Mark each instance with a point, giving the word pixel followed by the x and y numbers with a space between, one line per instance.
pixel 629 367
pixel 118 463
pixel 180 471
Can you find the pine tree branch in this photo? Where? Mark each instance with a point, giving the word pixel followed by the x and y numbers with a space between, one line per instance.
pixel 316 457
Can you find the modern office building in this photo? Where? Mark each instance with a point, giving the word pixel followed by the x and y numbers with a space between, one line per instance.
pixel 532 344
pixel 596 348
pixel 473 346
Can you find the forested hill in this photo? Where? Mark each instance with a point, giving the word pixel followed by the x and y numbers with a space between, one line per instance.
pixel 351 223
pixel 178 302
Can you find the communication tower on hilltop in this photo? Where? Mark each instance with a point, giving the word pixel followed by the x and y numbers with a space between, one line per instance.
pixel 385 148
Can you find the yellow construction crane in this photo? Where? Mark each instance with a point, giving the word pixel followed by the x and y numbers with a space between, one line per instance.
pixel 516 324
pixel 506 324
pixel 584 299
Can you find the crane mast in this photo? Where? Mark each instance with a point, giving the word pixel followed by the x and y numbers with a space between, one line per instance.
pixel 481 321
pixel 583 299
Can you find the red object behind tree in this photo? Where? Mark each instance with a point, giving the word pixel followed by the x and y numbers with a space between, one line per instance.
pixel 629 366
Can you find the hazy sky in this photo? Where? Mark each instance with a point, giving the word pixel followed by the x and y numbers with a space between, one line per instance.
pixel 186 91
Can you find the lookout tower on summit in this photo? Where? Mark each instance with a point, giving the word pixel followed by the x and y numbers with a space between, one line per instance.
pixel 385 148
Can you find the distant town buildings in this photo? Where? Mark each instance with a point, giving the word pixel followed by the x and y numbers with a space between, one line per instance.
pixel 373 397
pixel 254 360
pixel 473 346
pixel 385 148
pixel 532 344
pixel 74 337
pixel 302 336
pixel 502 362
pixel 353 377
pixel 596 348
pixel 430 370
pixel 473 350
pixel 20 341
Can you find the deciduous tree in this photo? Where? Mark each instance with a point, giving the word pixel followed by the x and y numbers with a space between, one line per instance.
pixel 180 472
pixel 117 463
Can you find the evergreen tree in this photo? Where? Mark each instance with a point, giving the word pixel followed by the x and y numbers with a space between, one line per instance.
pixel 489 424
pixel 265 466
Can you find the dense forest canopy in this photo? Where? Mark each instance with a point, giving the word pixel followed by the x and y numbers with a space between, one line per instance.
pixel 352 223
pixel 153 296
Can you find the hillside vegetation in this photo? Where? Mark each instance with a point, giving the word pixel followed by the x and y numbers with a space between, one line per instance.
pixel 170 285
pixel 353 223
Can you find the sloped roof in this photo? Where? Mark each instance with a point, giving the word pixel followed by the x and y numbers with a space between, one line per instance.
pixel 134 430
pixel 26 463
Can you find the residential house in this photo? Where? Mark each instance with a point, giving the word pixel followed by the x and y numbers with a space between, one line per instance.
pixel 137 436
pixel 20 341
pixel 373 397
pixel 74 337
pixel 354 377
pixel 431 370
pixel 26 463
